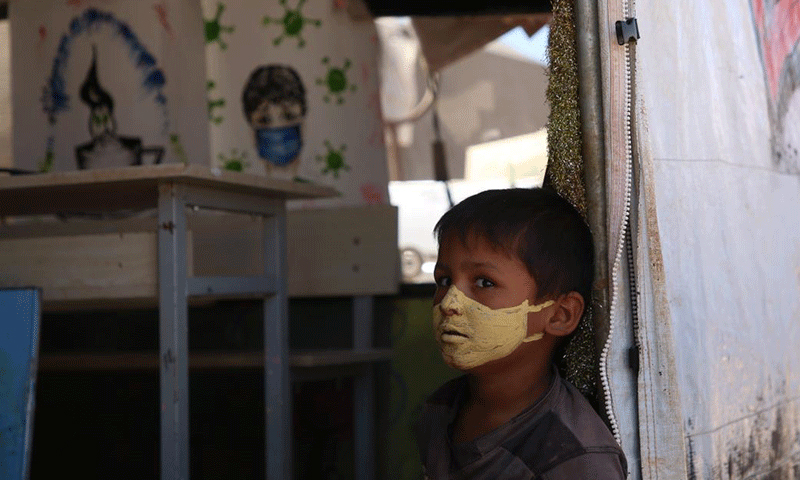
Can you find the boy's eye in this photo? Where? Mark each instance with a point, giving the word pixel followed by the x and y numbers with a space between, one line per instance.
pixel 443 282
pixel 484 283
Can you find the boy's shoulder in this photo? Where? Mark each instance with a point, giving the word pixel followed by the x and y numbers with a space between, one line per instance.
pixel 570 440
pixel 559 437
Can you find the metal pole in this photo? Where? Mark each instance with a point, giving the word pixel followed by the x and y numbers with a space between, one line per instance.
pixel 364 391
pixel 276 353
pixel 173 332
pixel 590 103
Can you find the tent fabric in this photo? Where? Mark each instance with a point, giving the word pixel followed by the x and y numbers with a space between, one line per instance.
pixel 661 433
pixel 647 407
pixel 613 78
pixel 717 238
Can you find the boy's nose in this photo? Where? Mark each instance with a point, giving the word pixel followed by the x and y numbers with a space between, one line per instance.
pixel 449 304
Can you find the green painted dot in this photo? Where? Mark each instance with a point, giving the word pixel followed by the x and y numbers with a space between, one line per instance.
pixel 335 81
pixel 235 162
pixel 214 104
pixel 293 22
pixel 333 160
pixel 214 30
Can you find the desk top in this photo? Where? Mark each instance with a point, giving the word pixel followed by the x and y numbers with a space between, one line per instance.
pixel 115 189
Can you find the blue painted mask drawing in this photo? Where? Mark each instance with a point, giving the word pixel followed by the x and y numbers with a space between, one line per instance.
pixel 279 145
pixel 274 102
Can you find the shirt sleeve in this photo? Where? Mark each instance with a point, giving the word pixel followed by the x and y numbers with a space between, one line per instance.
pixel 602 465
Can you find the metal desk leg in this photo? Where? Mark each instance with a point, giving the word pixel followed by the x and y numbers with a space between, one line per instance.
pixel 364 391
pixel 173 332
pixel 276 354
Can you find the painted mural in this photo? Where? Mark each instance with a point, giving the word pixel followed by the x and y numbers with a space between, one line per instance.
pixel 214 29
pixel 274 103
pixel 290 95
pixel 335 81
pixel 777 25
pixel 292 22
pixel 107 148
pixel 279 88
pixel 105 83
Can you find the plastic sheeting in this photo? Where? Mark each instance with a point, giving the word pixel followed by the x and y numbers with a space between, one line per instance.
pixel 718 263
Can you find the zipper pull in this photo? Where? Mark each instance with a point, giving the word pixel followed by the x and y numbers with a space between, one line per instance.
pixel 627 31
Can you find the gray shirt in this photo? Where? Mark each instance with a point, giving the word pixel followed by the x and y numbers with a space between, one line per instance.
pixel 560 437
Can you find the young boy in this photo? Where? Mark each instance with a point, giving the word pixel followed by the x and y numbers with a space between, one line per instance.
pixel 513 277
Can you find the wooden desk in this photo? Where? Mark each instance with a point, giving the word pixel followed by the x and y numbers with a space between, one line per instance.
pixel 171 189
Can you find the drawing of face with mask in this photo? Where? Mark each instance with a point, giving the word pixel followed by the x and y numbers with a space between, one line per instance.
pixel 274 102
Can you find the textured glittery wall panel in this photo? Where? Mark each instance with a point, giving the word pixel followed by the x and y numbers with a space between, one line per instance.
pixel 111 83
pixel 292 92
pixel 717 82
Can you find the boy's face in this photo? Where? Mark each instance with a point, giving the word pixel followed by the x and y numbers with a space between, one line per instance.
pixel 488 276
pixel 491 278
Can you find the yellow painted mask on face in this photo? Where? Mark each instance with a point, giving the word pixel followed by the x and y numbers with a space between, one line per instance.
pixel 477 334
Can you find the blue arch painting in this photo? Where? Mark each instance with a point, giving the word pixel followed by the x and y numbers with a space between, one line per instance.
pixel 55 98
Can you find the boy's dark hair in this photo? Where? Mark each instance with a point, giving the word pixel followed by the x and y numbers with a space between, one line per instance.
pixel 537 226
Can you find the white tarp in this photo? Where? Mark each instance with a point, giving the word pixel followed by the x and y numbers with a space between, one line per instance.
pixel 718 203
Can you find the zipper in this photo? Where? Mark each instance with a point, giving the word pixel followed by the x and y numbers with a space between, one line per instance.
pixel 624 243
pixel 633 291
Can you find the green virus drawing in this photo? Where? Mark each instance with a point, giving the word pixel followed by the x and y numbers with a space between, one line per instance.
pixel 235 161
pixel 292 22
pixel 177 148
pixel 214 104
pixel 47 162
pixel 336 81
pixel 333 160
pixel 214 29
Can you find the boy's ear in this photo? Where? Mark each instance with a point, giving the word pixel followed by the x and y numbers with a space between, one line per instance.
pixel 565 318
